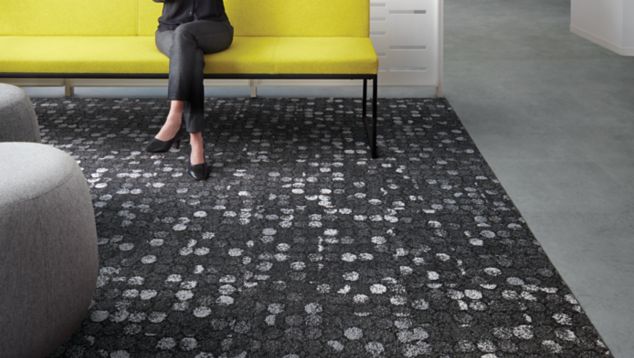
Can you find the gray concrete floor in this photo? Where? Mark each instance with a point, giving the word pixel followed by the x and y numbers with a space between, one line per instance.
pixel 553 114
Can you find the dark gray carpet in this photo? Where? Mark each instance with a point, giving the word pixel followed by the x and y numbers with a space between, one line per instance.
pixel 299 245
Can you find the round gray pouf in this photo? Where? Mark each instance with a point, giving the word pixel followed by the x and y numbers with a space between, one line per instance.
pixel 18 121
pixel 48 249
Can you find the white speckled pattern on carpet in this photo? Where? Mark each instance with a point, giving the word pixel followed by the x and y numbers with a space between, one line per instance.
pixel 299 245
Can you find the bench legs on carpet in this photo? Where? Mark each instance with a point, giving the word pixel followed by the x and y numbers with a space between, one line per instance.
pixel 370 133
pixel 69 91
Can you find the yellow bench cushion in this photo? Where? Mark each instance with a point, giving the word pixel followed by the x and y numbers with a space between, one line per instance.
pixel 138 54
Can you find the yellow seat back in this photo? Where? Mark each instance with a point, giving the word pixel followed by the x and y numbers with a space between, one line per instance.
pixel 281 17
pixel 149 12
pixel 68 17
pixel 299 17
pixel 140 17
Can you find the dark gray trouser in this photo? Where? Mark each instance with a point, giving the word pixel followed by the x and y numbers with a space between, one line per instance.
pixel 185 47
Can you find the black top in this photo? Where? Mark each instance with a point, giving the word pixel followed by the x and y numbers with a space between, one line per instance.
pixel 176 12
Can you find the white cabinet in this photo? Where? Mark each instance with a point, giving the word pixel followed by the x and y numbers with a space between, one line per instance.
pixel 407 36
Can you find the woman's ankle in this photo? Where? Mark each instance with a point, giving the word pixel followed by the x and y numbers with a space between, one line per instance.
pixel 169 128
pixel 175 117
pixel 197 155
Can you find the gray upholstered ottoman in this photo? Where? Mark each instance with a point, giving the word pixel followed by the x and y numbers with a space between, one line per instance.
pixel 48 248
pixel 18 121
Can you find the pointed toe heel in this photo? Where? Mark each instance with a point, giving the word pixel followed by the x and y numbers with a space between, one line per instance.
pixel 161 146
pixel 198 171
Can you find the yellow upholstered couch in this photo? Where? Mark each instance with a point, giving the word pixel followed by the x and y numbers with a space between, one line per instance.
pixel 115 39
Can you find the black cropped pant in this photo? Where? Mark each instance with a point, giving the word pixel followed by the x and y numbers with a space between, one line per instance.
pixel 185 46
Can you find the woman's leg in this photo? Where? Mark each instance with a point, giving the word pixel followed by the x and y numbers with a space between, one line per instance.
pixel 172 122
pixel 164 41
pixel 187 45
pixel 193 110
pixel 192 41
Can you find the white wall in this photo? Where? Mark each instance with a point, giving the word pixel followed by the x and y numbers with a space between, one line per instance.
pixel 609 23
pixel 628 23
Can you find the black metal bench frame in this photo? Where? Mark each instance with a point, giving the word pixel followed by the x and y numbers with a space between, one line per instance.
pixel 370 132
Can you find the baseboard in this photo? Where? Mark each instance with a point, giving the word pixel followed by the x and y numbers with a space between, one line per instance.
pixel 346 91
pixel 241 91
pixel 623 51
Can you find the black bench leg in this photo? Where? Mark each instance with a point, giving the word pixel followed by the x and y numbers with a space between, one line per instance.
pixel 365 96
pixel 370 133
pixel 375 154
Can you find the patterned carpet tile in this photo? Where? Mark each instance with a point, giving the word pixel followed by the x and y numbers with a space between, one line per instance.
pixel 300 245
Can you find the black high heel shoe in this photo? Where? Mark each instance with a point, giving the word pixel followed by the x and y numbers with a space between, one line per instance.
pixel 160 146
pixel 198 171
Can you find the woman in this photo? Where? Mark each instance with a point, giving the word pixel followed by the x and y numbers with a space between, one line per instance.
pixel 187 30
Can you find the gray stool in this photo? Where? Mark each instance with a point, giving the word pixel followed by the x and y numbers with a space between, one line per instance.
pixel 18 121
pixel 48 249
